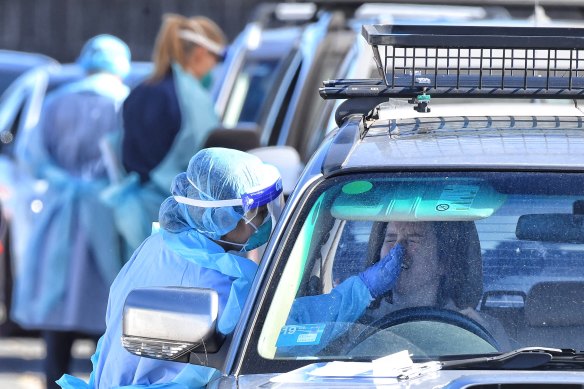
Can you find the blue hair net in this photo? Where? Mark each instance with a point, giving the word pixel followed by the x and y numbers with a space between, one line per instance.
pixel 213 174
pixel 105 53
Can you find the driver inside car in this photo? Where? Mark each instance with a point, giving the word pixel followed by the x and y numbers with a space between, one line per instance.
pixel 422 264
pixel 442 267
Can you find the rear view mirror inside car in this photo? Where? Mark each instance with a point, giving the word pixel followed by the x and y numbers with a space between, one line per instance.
pixel 551 227
pixel 426 199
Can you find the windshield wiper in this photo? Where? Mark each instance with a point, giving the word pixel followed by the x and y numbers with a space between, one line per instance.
pixel 523 358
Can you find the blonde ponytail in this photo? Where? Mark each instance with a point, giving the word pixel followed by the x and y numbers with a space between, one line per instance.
pixel 169 47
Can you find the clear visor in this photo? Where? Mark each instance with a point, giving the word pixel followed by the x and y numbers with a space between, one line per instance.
pixel 257 216
pixel 268 200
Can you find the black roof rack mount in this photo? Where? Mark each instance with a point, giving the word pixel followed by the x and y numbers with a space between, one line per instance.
pixel 465 61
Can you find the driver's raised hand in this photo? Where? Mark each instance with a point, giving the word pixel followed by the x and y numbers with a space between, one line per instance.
pixel 382 276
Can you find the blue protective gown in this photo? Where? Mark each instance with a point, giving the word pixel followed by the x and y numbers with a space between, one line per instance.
pixel 167 259
pixel 189 259
pixel 137 198
pixel 334 312
pixel 72 253
pixel 344 304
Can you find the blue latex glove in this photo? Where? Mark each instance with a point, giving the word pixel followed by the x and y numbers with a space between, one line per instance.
pixel 382 276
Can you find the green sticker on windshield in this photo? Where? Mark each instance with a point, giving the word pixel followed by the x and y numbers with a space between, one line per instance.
pixel 357 187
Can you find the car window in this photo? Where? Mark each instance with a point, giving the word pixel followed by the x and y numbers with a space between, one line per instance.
pixel 250 89
pixel 502 249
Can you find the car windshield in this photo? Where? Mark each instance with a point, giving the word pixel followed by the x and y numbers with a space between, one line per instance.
pixel 492 261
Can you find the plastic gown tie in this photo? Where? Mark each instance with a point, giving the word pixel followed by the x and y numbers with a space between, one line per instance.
pixel 59 210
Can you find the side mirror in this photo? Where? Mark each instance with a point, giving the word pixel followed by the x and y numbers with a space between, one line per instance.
pixel 286 159
pixel 171 322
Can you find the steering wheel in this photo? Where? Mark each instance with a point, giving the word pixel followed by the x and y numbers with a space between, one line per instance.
pixel 420 314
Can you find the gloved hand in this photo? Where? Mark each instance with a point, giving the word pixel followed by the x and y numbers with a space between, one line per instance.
pixel 382 276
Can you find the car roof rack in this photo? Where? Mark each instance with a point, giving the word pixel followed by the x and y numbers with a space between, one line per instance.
pixel 419 61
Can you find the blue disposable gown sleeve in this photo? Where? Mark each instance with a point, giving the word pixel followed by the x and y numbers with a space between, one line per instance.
pixel 345 303
pixel 337 310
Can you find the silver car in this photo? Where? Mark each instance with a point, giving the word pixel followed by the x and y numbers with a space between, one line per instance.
pixel 466 152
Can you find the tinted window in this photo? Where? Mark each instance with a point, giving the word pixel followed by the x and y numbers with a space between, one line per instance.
pixel 253 84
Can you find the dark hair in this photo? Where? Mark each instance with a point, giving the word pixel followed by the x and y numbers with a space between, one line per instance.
pixel 459 252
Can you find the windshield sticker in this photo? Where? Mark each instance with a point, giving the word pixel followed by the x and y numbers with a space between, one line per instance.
pixel 357 187
pixel 300 335
pixel 457 198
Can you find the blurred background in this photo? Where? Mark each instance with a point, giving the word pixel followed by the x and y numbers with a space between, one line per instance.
pixel 58 28
pixel 266 93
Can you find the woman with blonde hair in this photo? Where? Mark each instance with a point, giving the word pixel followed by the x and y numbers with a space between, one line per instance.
pixel 166 120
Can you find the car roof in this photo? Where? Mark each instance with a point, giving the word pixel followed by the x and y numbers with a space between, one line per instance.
pixel 401 109
pixel 14 63
pixel 502 142
pixel 22 59
pixel 69 72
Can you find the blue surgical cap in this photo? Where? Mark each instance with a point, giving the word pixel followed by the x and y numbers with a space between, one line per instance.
pixel 105 53
pixel 213 174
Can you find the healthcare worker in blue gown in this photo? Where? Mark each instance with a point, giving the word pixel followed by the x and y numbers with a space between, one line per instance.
pixel 72 253
pixel 224 205
pixel 226 202
pixel 166 120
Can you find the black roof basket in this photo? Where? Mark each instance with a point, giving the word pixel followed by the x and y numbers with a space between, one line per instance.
pixel 469 61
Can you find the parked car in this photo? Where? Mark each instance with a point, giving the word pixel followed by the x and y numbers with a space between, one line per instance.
pixel 14 63
pixel 266 64
pixel 256 62
pixel 267 92
pixel 498 185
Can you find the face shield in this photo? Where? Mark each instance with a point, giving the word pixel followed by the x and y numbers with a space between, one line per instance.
pixel 199 39
pixel 262 207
